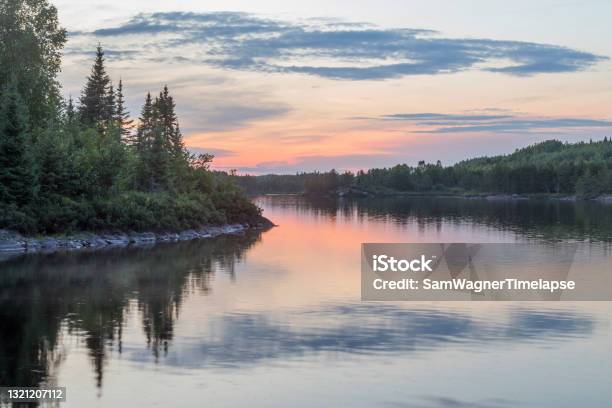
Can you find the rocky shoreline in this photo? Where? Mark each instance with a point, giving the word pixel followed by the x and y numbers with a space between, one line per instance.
pixel 13 242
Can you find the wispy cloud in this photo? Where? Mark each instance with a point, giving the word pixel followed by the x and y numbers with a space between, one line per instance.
pixel 337 50
pixel 226 117
pixel 495 122
pixel 116 55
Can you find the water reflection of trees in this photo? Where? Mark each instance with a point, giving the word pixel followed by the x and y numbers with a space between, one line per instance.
pixel 91 294
pixel 548 219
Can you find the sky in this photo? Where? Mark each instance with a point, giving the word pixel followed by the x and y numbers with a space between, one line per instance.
pixel 280 86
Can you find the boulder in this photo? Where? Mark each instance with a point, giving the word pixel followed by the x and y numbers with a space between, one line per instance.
pixel 97 242
pixel 215 231
pixel 33 245
pixel 49 243
pixel 188 235
pixel 74 244
pixel 168 237
pixel 232 229
pixel 142 238
pixel 204 233
pixel 116 239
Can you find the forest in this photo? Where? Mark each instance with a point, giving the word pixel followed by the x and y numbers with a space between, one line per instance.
pixel 85 165
pixel 81 165
pixel 552 167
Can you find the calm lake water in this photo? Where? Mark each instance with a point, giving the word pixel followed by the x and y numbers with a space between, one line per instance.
pixel 274 319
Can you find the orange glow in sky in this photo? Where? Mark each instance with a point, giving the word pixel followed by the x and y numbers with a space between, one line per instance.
pixel 280 93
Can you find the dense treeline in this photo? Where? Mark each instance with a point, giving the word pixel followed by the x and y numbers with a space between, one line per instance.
pixel 273 183
pixel 551 167
pixel 87 167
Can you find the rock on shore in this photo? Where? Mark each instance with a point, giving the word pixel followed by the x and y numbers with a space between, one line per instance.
pixel 12 242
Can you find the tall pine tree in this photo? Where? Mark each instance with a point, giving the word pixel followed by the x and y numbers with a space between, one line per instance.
pixel 94 110
pixel 169 125
pixel 162 157
pixel 145 125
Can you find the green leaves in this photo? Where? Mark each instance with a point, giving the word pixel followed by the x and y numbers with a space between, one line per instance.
pixel 31 42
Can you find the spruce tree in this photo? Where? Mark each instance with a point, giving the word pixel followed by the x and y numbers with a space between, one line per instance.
pixel 145 125
pixel 165 108
pixel 170 126
pixel 17 181
pixel 122 116
pixel 93 109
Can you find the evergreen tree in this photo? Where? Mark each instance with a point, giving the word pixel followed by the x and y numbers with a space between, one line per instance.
pixel 122 116
pixel 94 109
pixel 169 125
pixel 145 125
pixel 162 161
pixel 17 181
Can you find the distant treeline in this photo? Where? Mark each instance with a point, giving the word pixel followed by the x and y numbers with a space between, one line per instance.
pixel 85 166
pixel 550 167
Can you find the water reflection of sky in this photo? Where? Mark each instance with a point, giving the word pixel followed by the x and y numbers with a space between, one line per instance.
pixel 276 320
pixel 236 339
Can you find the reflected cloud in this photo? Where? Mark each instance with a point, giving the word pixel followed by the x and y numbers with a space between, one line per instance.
pixel 246 338
pixel 452 402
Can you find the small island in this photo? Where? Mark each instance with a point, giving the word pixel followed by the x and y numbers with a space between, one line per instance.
pixel 69 167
